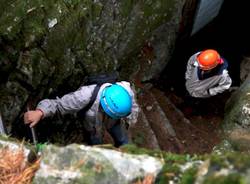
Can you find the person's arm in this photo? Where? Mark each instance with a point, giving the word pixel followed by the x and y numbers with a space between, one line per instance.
pixel 69 103
pixel 223 85
pixel 33 117
pixel 132 118
pixel 196 87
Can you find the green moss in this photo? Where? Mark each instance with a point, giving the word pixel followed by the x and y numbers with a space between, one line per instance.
pixel 49 179
pixel 8 138
pixel 96 9
pixel 139 138
pixel 234 178
pixel 189 176
pixel 148 19
pixel 218 161
pixel 169 171
pixel 167 157
pixel 234 116
pixel 94 172
pixel 129 65
pixel 172 163
pixel 12 13
pixel 34 26
pixel 127 7
pixel 240 161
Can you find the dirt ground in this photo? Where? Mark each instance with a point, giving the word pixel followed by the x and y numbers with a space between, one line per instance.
pixel 202 132
pixel 197 129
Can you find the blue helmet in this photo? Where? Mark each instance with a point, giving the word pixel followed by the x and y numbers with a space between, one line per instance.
pixel 116 101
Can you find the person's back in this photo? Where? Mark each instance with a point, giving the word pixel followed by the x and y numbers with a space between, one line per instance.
pixel 207 74
pixel 107 109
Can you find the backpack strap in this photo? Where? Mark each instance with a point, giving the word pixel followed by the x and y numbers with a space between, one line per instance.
pixel 82 112
pixel 98 80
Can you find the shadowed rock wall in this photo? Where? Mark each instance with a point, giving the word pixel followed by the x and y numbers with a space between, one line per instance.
pixel 47 47
pixel 237 117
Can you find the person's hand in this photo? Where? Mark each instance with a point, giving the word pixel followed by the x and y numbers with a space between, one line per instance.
pixel 33 117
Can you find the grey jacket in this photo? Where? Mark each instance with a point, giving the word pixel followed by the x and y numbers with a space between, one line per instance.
pixel 207 87
pixel 75 101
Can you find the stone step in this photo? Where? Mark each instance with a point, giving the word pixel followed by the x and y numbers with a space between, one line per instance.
pixel 172 112
pixel 142 135
pixel 191 136
pixel 159 123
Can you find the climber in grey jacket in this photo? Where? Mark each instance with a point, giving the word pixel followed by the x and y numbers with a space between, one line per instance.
pixel 114 102
pixel 207 74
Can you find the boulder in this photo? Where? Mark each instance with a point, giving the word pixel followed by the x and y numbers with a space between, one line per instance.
pixel 236 123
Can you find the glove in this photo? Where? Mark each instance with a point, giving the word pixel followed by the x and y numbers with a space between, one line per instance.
pixel 211 92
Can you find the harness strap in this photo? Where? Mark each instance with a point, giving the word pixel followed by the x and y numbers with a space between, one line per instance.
pixel 82 112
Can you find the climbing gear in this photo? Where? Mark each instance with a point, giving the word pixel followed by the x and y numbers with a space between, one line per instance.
pixel 116 101
pixel 209 59
pixel 101 78
pixel 98 80
pixel 34 137
pixel 36 153
pixel 33 133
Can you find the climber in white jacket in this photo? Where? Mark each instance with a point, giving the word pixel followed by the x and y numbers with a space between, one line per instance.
pixel 114 102
pixel 207 74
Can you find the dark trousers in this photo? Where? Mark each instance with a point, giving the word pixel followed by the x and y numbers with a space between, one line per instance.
pixel 118 132
pixel 213 105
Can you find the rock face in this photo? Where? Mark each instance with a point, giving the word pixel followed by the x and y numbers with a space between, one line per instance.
pixel 244 68
pixel 81 164
pixel 91 165
pixel 237 119
pixel 48 47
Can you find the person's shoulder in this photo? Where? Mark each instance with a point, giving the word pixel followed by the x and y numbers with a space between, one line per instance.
pixel 124 83
pixel 193 59
pixel 87 87
pixel 195 54
pixel 127 85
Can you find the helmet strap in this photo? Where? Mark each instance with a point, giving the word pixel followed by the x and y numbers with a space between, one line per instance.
pixel 221 61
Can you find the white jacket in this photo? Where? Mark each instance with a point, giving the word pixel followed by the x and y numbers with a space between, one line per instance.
pixel 75 101
pixel 207 87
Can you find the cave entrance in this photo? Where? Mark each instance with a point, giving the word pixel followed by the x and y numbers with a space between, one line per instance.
pixel 229 35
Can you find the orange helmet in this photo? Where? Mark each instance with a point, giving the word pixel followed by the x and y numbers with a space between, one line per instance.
pixel 209 59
